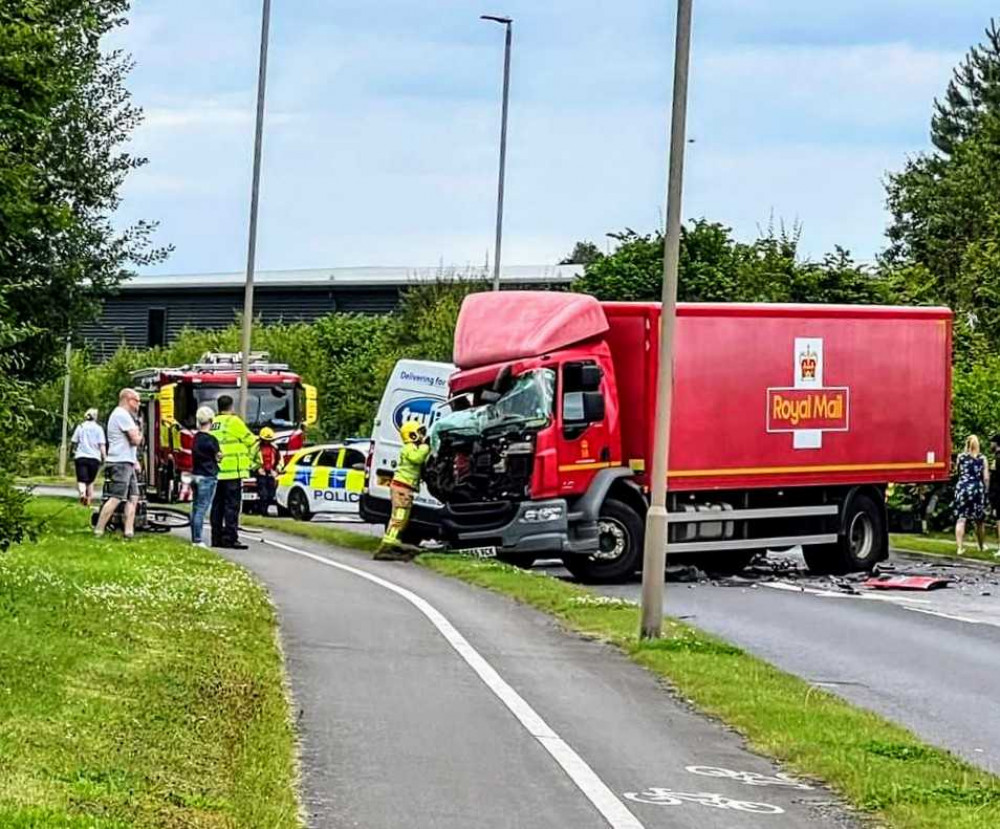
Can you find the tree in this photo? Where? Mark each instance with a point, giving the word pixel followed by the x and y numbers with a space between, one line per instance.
pixel 65 115
pixel 716 268
pixel 583 254
pixel 945 229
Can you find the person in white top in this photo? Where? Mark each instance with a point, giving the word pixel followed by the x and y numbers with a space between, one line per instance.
pixel 121 481
pixel 90 448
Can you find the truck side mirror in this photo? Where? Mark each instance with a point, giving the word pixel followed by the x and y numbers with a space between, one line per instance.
pixel 582 377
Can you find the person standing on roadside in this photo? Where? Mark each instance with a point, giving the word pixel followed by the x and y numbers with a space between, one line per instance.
pixel 121 481
pixel 970 493
pixel 205 457
pixel 238 446
pixel 403 489
pixel 90 448
pixel 270 468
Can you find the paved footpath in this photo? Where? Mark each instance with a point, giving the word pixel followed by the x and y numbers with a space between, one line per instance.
pixel 424 702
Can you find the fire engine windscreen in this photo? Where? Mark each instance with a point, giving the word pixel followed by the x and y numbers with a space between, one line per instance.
pixel 487 451
pixel 274 406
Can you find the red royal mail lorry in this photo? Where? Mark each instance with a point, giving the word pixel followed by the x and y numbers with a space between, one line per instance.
pixel 788 422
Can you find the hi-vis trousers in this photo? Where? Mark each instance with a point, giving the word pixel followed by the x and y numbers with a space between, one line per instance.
pixel 402 506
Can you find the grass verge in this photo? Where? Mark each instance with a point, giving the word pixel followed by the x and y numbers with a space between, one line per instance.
pixel 317 532
pixel 141 685
pixel 877 766
pixel 943 545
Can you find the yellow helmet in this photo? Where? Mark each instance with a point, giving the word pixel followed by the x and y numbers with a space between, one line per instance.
pixel 267 433
pixel 412 431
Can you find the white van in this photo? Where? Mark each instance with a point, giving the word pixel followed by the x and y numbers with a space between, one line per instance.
pixel 416 390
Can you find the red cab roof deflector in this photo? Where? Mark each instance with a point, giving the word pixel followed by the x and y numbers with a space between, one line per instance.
pixel 497 327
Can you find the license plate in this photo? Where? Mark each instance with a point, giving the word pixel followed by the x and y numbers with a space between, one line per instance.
pixel 481 552
pixel 249 496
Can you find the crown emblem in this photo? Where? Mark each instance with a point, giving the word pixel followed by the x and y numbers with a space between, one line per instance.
pixel 808 363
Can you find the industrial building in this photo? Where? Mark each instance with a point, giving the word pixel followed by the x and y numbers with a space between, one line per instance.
pixel 152 310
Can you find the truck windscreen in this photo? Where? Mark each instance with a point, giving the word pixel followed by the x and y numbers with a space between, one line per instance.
pixel 274 406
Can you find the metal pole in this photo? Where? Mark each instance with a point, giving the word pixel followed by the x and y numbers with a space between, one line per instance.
pixel 655 551
pixel 506 21
pixel 254 200
pixel 64 445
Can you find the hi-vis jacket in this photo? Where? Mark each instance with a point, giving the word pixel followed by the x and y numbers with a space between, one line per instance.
pixel 238 445
pixel 412 458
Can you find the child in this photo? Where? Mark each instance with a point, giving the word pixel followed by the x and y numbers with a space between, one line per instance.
pixel 205 456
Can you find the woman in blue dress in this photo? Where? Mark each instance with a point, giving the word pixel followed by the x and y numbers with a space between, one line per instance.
pixel 970 493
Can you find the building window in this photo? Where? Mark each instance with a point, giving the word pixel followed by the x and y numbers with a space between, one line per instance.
pixel 156 327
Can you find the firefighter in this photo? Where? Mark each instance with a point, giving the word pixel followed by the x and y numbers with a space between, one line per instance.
pixel 405 484
pixel 239 459
pixel 270 467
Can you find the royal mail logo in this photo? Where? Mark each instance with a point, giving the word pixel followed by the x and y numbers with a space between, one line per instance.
pixel 807 409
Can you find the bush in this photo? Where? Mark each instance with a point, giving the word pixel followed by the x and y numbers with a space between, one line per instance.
pixel 38 461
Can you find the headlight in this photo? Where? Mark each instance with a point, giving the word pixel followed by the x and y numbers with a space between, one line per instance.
pixel 538 515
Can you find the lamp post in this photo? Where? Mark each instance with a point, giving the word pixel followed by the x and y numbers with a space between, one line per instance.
pixel 655 551
pixel 254 200
pixel 506 22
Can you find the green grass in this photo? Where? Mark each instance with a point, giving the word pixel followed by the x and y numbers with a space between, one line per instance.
pixel 943 544
pixel 877 766
pixel 141 685
pixel 317 532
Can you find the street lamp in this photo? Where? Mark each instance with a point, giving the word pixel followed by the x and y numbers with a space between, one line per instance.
pixel 506 22
pixel 655 551
pixel 254 200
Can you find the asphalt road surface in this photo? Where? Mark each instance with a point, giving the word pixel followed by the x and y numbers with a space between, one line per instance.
pixel 930 661
pixel 453 707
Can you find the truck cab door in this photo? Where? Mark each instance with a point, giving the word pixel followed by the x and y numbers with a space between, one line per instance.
pixel 585 440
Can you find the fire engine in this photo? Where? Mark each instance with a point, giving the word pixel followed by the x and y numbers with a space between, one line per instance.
pixel 171 397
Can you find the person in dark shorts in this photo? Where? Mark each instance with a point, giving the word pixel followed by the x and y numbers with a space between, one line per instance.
pixel 205 456
pixel 90 447
pixel 121 482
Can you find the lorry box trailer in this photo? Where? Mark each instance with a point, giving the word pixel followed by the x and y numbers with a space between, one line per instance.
pixel 788 422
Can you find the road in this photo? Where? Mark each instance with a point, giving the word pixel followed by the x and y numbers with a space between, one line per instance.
pixel 930 661
pixel 453 707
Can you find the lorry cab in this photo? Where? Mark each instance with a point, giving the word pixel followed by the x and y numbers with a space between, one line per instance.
pixel 416 390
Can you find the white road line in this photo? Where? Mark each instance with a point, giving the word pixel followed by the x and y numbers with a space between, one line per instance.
pixel 965 619
pixel 586 780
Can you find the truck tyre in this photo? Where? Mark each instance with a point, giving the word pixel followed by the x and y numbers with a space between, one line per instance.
pixel 620 534
pixel 298 506
pixel 860 547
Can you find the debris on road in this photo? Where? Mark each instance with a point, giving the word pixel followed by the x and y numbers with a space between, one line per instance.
pixel 906 583
pixel 684 573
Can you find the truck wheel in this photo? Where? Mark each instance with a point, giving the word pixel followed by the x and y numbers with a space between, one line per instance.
pixel 620 534
pixel 861 546
pixel 298 506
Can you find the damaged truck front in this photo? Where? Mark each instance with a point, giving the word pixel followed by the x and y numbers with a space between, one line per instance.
pixel 782 432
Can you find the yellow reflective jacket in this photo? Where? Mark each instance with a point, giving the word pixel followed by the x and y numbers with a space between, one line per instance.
pixel 412 458
pixel 238 445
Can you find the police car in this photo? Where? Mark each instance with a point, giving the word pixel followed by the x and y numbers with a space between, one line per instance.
pixel 323 479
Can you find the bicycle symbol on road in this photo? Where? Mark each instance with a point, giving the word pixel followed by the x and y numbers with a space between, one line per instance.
pixel 751 778
pixel 667 797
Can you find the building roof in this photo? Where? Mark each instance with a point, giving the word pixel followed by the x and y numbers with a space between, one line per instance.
pixel 355 277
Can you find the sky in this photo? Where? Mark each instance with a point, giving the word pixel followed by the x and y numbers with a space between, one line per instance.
pixel 382 125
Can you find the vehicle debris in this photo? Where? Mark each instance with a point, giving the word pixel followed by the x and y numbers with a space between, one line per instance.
pixel 906 583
